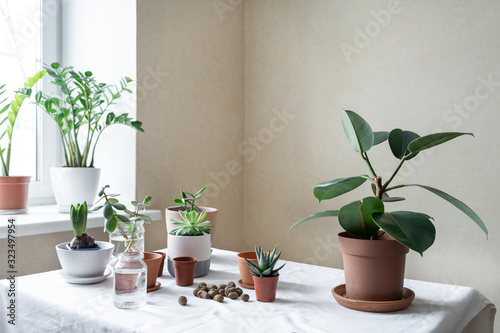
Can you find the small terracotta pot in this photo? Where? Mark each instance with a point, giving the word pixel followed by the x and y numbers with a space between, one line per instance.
pixel 374 269
pixel 164 255
pixel 153 261
pixel 246 275
pixel 14 192
pixel 265 288
pixel 184 270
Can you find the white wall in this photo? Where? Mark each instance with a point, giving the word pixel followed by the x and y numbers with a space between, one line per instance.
pixel 100 36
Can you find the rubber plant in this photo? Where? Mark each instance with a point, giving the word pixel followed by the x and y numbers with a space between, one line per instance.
pixel 365 217
pixel 82 111
pixel 9 113
pixel 117 216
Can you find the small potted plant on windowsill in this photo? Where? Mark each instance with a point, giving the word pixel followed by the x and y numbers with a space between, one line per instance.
pixel 187 202
pixel 83 259
pixel 13 189
pixel 190 238
pixel 82 113
pixel 265 277
pixel 375 241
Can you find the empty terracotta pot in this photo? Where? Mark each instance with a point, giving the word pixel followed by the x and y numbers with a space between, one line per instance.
pixel 184 270
pixel 153 261
pixel 164 255
pixel 374 269
pixel 265 288
pixel 246 276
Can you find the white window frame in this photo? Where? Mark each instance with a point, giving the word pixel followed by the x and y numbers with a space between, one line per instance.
pixel 49 147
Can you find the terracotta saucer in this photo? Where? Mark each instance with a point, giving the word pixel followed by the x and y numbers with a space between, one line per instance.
pixel 373 306
pixel 156 287
pixel 246 286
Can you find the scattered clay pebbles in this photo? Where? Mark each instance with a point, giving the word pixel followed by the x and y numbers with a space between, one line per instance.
pixel 183 300
pixel 218 293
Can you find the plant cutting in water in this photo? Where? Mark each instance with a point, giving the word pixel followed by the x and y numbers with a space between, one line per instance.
pixel 365 217
pixel 78 217
pixel 115 219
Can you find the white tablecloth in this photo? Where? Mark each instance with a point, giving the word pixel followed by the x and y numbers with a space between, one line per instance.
pixel 46 303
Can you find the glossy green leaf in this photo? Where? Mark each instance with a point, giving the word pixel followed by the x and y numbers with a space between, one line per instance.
pixel 111 224
pixel 379 137
pixel 399 141
pixel 455 202
pixel 336 187
pixel 413 230
pixel 358 131
pixel 432 140
pixel 317 215
pixel 356 217
pixel 108 211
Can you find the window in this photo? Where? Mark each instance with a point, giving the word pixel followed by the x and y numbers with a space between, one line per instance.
pixel 29 33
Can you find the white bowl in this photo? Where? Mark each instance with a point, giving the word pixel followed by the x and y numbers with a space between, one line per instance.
pixel 84 263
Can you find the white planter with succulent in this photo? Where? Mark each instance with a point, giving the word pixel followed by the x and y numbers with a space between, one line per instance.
pixel 82 112
pixel 191 238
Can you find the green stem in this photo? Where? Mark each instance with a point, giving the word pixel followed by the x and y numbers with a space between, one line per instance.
pixel 364 155
pixel 395 172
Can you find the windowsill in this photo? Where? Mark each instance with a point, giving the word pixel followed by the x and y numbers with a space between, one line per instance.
pixel 46 220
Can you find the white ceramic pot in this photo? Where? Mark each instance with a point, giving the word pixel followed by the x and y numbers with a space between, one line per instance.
pixel 74 185
pixel 84 263
pixel 190 246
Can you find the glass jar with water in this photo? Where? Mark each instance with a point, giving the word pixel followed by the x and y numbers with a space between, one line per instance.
pixel 129 281
pixel 127 237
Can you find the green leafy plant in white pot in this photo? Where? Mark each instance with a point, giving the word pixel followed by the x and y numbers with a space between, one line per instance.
pixel 82 113
pixel 369 226
pixel 187 202
pixel 190 238
pixel 13 189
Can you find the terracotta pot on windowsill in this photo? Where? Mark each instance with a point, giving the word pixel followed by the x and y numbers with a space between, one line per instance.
pixel 14 194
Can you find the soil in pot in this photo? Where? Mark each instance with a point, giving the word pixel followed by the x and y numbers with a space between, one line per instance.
pixel 184 270
pixel 265 288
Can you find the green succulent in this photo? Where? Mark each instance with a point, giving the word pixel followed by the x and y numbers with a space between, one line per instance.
pixel 193 224
pixel 184 201
pixel 266 262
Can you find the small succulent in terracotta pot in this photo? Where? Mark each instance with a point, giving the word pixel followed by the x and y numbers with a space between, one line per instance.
pixel 265 276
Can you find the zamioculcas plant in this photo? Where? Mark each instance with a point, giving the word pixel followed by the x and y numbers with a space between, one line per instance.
pixel 78 217
pixel 365 217
pixel 9 118
pixel 188 199
pixel 192 225
pixel 266 262
pixel 82 111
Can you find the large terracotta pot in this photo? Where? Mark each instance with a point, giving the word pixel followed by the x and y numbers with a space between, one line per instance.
pixel 14 194
pixel 374 269
pixel 246 275
pixel 265 288
pixel 211 216
pixel 74 185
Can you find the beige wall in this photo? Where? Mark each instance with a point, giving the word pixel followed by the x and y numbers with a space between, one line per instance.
pixel 422 68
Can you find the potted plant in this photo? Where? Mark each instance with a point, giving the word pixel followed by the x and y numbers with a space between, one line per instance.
pixel 125 227
pixel 187 202
pixel 375 240
pixel 264 275
pixel 83 260
pixel 82 112
pixel 191 238
pixel 13 189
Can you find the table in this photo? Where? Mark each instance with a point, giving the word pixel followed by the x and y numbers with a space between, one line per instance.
pixel 46 303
